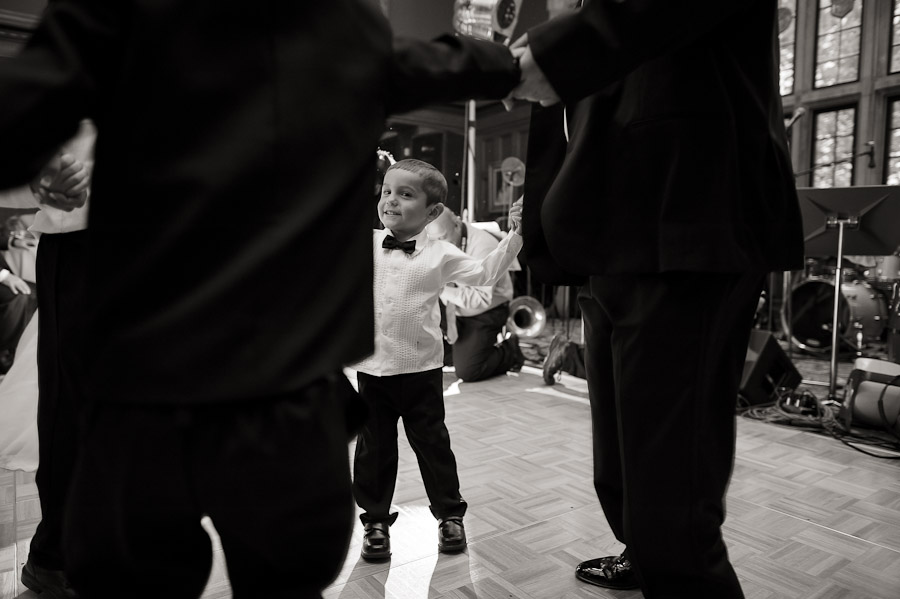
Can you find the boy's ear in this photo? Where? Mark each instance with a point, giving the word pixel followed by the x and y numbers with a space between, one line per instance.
pixel 435 211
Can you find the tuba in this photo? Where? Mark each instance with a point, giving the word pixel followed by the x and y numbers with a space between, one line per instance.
pixel 527 317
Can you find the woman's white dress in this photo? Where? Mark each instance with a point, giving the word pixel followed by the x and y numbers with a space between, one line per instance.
pixel 18 405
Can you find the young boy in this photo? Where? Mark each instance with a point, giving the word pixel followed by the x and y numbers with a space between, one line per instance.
pixel 402 379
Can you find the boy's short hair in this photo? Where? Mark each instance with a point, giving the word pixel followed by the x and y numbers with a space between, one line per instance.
pixel 433 182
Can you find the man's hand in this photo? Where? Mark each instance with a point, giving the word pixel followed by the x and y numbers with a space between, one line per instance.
pixel 515 216
pixel 63 184
pixel 16 285
pixel 520 43
pixel 534 86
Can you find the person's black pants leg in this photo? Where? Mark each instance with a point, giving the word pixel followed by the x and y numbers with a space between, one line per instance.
pixel 376 459
pixel 600 374
pixel 476 354
pixel 422 409
pixel 60 266
pixel 664 355
pixel 271 473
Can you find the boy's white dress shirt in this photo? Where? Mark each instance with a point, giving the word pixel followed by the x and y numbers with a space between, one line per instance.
pixel 407 286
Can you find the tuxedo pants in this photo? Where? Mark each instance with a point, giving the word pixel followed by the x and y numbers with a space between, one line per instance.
pixel 418 398
pixel 62 305
pixel 664 355
pixel 272 474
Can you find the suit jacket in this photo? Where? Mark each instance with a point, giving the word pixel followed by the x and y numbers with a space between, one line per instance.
pixel 677 158
pixel 229 232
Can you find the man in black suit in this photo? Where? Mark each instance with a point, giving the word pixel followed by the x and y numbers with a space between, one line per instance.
pixel 671 198
pixel 233 175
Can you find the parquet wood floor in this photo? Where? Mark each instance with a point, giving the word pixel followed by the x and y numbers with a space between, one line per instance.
pixel 808 518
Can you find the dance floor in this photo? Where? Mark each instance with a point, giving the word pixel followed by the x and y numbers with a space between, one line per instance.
pixel 808 517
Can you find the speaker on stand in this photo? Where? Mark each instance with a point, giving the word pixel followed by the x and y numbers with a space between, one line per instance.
pixel 767 371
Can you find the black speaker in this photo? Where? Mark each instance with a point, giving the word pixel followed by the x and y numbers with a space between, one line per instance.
pixel 766 369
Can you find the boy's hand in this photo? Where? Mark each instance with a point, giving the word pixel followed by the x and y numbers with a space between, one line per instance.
pixel 515 216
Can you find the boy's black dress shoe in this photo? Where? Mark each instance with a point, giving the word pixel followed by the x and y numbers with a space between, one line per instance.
pixel 451 535
pixel 377 541
pixel 49 584
pixel 612 572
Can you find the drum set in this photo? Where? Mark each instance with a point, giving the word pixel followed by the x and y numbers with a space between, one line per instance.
pixel 868 312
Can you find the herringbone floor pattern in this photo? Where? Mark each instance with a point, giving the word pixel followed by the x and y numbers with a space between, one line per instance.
pixel 807 516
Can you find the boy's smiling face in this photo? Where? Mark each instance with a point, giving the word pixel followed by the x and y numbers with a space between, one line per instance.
pixel 403 207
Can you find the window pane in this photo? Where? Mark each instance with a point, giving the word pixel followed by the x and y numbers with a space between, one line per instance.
pixel 843 176
pixel 828 47
pixel 828 23
pixel 825 125
pixel 850 42
pixel 838 43
pixel 894 147
pixel 844 122
pixel 893 174
pixel 825 150
pixel 823 179
pixel 848 69
pixel 844 147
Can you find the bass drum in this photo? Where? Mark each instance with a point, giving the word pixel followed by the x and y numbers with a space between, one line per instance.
pixel 862 314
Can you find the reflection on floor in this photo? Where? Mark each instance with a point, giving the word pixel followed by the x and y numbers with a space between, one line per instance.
pixel 807 516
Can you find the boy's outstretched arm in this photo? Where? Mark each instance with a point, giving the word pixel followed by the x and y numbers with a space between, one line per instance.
pixel 447 69
pixel 461 268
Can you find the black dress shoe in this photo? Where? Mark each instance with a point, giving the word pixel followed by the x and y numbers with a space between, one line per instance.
pixel 518 356
pixel 612 572
pixel 451 535
pixel 49 584
pixel 556 355
pixel 376 542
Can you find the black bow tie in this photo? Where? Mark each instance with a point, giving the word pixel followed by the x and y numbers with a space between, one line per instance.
pixel 391 243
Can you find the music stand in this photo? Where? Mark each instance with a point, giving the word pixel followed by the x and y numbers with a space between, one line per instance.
pixel 855 220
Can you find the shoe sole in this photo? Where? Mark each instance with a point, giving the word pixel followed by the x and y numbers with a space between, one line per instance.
pixel 376 557
pixel 452 548
pixel 618 587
